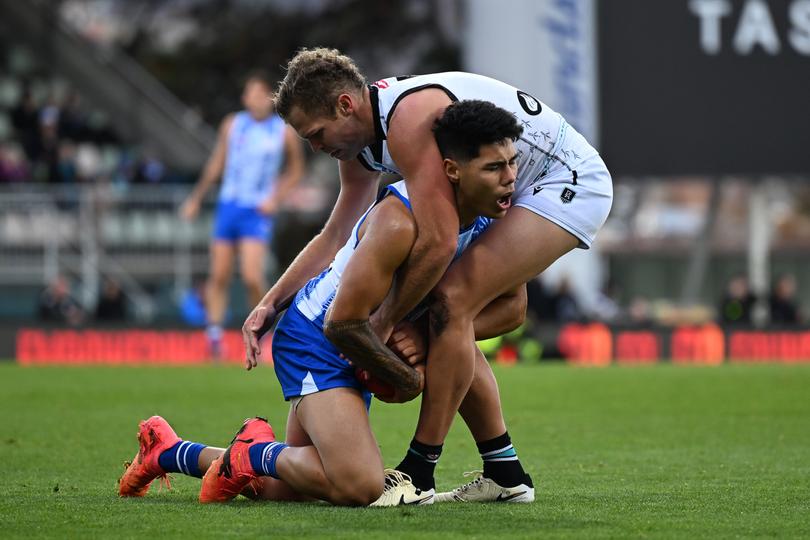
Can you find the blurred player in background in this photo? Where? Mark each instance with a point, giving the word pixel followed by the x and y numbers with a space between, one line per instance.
pixel 564 193
pixel 330 452
pixel 260 160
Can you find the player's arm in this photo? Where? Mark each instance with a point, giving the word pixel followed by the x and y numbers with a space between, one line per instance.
pixel 499 317
pixel 211 173
pixel 502 315
pixel 388 239
pixel 292 173
pixel 413 148
pixel 358 187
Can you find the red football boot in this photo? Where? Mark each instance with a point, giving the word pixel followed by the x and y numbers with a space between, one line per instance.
pixel 155 435
pixel 230 473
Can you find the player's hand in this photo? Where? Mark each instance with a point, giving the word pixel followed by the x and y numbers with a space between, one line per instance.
pixel 257 324
pixel 189 209
pixel 268 207
pixel 402 397
pixel 408 343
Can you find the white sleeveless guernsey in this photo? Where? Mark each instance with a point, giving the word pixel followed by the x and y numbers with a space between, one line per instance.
pixel 555 163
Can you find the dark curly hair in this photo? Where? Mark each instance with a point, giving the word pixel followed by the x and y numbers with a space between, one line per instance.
pixel 314 80
pixel 467 125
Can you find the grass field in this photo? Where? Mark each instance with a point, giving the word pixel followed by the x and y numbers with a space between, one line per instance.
pixel 620 452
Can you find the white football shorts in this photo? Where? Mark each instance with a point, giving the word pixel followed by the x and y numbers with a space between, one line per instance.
pixel 579 203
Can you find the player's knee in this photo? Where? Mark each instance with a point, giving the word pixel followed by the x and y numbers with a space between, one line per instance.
pixel 360 489
pixel 218 281
pixel 455 294
pixel 358 496
pixel 517 310
pixel 252 281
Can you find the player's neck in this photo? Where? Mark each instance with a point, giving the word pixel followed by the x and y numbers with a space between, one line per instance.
pixel 260 115
pixel 465 221
pixel 465 216
pixel 365 114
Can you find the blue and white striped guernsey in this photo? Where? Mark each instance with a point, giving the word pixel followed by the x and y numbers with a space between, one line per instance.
pixel 254 158
pixel 314 299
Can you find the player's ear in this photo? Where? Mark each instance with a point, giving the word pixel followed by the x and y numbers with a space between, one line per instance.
pixel 451 169
pixel 345 105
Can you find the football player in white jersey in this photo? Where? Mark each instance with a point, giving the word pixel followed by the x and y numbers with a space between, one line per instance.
pixel 260 160
pixel 330 452
pixel 563 196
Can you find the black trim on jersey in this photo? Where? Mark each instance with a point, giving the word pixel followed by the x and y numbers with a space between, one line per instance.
pixel 410 91
pixel 379 134
pixel 366 165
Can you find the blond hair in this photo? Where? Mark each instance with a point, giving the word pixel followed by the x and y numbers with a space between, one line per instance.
pixel 314 80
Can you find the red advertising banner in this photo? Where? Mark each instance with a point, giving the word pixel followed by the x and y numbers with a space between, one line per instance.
pixel 35 346
pixel 593 344
pixel 786 347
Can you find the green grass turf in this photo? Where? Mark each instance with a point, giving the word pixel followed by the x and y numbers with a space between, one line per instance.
pixel 620 452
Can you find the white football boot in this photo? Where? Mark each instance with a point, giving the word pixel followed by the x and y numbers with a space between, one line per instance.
pixel 399 490
pixel 483 489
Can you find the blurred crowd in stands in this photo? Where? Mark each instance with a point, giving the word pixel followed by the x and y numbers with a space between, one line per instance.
pixel 54 140
pixel 739 304
pixel 50 134
pixel 58 305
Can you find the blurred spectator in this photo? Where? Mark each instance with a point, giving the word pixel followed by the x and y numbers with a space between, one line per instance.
pixel 150 170
pixel 72 120
pixel 48 154
pixel 639 312
pixel 25 119
pixel 738 302
pixel 112 305
pixel 606 306
pixel 566 308
pixel 782 302
pixel 66 168
pixel 192 305
pixel 558 306
pixel 57 305
pixel 13 166
pixel 88 162
pixel 539 301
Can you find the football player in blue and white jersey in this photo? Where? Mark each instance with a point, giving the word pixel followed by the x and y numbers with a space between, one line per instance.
pixel 331 453
pixel 260 160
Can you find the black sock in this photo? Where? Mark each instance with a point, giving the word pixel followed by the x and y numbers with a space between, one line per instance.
pixel 501 463
pixel 419 463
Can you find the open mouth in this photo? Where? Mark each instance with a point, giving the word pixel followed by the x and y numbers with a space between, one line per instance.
pixel 505 202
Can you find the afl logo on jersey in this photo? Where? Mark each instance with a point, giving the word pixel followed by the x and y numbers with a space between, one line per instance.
pixel 382 83
pixel 529 104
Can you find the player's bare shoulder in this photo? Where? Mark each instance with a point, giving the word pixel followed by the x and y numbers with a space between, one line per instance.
pixel 227 122
pixel 391 218
pixel 410 133
pixel 414 115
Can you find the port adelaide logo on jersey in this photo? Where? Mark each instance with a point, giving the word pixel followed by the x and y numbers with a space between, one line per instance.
pixel 528 103
pixel 567 195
